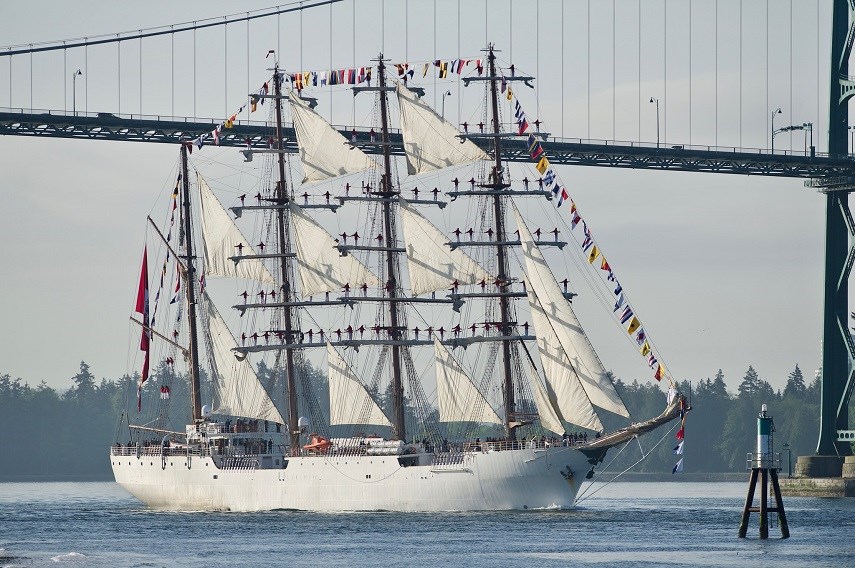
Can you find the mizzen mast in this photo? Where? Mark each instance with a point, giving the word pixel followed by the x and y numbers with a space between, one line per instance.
pixel 281 199
pixel 195 394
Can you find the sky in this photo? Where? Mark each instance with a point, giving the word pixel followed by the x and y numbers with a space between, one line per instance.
pixel 726 271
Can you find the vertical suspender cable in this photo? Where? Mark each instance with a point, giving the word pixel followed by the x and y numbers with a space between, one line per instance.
pixel 740 73
pixel 31 77
pixel 226 69
pixel 119 71
pixel 588 55
pixel 141 75
pixel 639 70
pixel 690 72
pixel 537 55
pixel 665 73
pixel 248 108
pixel 86 77
pixel 716 72
pixel 768 116
pixel 194 70
pixel 791 73
pixel 614 73
pixel 818 65
pixel 64 81
pixel 353 51
pixel 172 60
pixel 331 57
pixel 563 31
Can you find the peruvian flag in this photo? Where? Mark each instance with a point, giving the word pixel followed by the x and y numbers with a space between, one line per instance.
pixel 142 309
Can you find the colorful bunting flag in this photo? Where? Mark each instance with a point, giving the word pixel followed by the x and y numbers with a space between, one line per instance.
pixel 592 256
pixel 645 348
pixel 678 449
pixel 542 165
pixel 633 325
pixel 627 313
pixel 679 467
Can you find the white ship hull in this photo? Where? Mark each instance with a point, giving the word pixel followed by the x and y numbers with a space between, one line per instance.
pixel 495 480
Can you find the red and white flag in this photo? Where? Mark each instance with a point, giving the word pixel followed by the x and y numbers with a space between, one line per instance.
pixel 142 309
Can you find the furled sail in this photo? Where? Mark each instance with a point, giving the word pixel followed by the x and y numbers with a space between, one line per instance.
pixel 561 318
pixel 323 151
pixel 236 388
pixel 459 398
pixel 564 390
pixel 321 266
pixel 350 402
pixel 222 239
pixel 431 142
pixel 548 416
pixel 432 264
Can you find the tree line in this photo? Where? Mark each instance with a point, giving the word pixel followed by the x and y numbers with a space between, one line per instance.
pixel 65 433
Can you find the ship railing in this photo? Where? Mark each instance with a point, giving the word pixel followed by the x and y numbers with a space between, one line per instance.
pixel 763 461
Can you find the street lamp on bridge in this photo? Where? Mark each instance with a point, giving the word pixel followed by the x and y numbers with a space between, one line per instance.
pixel 655 100
pixel 74 90
pixel 774 112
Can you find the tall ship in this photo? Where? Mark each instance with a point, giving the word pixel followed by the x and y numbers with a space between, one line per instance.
pixel 373 360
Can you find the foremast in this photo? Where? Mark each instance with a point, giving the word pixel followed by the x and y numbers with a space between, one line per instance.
pixel 496 183
pixel 195 394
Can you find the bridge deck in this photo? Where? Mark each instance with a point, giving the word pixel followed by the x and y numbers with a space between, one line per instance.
pixel 135 128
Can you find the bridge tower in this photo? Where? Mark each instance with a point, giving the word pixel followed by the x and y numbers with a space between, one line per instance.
pixel 838 349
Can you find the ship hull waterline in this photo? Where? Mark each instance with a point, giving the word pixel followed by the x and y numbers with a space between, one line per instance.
pixel 494 480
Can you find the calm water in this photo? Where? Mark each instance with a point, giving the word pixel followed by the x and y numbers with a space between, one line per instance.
pixel 626 524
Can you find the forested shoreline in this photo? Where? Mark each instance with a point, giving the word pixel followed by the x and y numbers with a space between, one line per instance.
pixel 64 434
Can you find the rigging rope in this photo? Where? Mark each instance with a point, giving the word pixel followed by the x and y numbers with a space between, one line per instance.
pixel 644 456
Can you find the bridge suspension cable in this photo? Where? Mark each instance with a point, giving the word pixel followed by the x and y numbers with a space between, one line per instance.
pixel 56 45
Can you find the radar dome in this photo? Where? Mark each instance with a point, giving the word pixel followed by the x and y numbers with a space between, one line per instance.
pixel 206 411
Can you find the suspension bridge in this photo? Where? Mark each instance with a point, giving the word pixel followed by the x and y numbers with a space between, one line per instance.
pixel 737 87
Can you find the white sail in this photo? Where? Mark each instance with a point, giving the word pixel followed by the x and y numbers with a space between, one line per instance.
pixel 324 152
pixel 431 142
pixel 222 239
pixel 432 264
pixel 459 398
pixel 350 402
pixel 564 323
pixel 237 390
pixel 548 416
pixel 320 265
pixel 564 390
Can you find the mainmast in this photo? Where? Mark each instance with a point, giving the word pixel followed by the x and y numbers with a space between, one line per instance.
pixel 195 395
pixel 497 184
pixel 281 199
pixel 388 194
